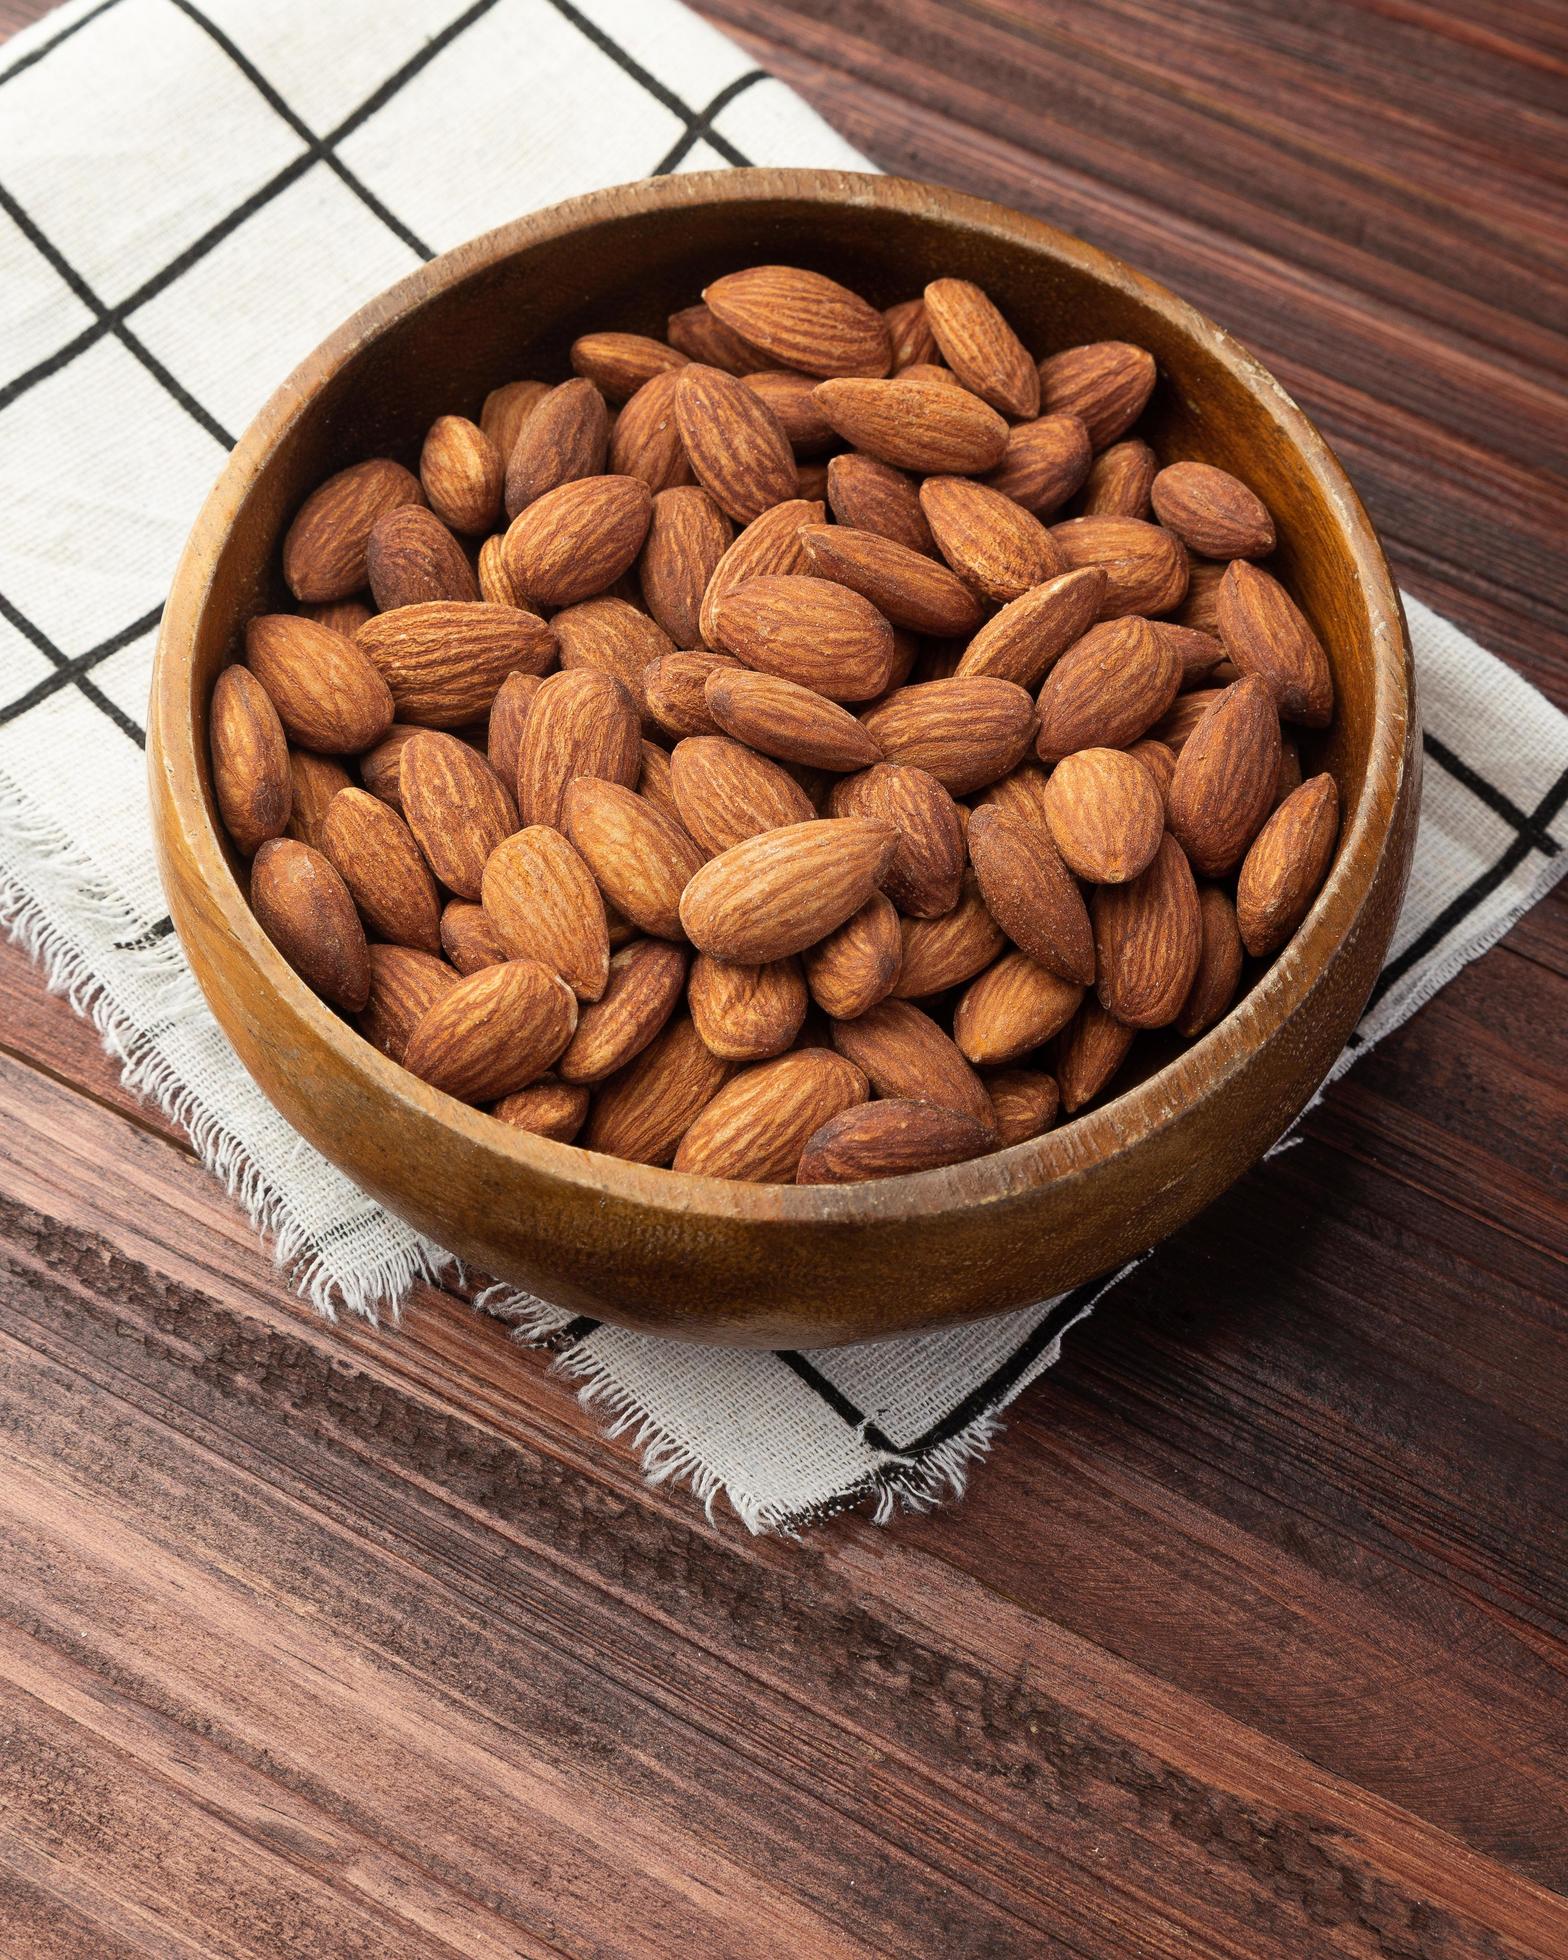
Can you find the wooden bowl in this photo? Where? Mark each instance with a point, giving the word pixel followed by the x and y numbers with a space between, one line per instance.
pixel 769 1265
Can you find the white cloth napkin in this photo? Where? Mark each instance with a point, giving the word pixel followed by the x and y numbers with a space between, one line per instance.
pixel 191 197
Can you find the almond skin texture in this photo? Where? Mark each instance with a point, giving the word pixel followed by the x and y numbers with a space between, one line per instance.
pixel 456 806
pixel 808 630
pixel 1025 1101
pixel 1089 1051
pixel 656 782
pixel 784 719
pixel 314 781
pixel 1105 813
pixel 1044 463
pixel 779 893
pixel 1105 384
pixel 1224 780
pixel 906 1056
pixel 1288 861
pixel 1212 512
pixel 945 952
pixel 1199 653
pixel 746 1013
pixel 575 542
pixel 641 861
pixel 699 333
pixel 735 443
pixel 760 1121
pixel 1200 608
pixel 505 413
pixel 565 439
pixel 1119 482
pixel 858 963
pixel 546 1108
pixel 381 768
pixel 1031 894
pixel 866 495
pixel 613 636
pixel 461 472
pixel 769 547
pixel 508 717
pixel 687 536
pixel 1023 641
pixel 412 557
pixel 304 908
pixel 582 723
pixel 1266 633
pixel 1148 936
pixel 923 874
pixel 931 427
pixel 981 348
pixel 496 584
pixel 913 340
pixel 1109 688
pixel 675 689
pixel 468 937
pixel 445 662
pixel 342 615
pixel 327 694
pixel 1145 566
pixel 1021 795
pixel 374 853
pixel 905 586
pixel 324 548
pixel 792 398
pixel 619 363
pixel 494 1032
pixel 544 904
pixel 646 439
pixel 802 320
pixel 645 1109
pixel 644 988
pixel 1158 760
pixel 726 794
pixel 965 732
pixel 250 761
pixel 404 985
pixel 890 1138
pixel 1012 1008
pixel 1219 964
pixel 993 544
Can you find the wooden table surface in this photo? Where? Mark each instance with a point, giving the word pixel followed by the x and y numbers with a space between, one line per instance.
pixel 1249 1639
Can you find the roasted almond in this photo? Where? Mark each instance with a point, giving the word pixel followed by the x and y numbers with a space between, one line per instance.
pixel 575 542
pixel 701 335
pixel 792 398
pixel 1200 609
pixel 461 472
pixel 615 637
pixel 1107 689
pixel 544 904
pixel 412 557
pixel 1105 384
pixel 994 545
pixel 890 1138
pixel 809 630
pixel 342 615
pixel 1159 761
pixel 506 411
pixel 509 713
pixel 858 963
pixel 726 794
pixel 619 363
pixel 1044 463
pixel 923 874
pixel 250 760
pixel 494 1032
pixel 1089 1051
pixel 1223 785
pixel 324 548
pixel 1175 728
pixel 468 936
pixel 981 348
pixel 640 859
pixel 327 694
pixel 645 1109
pixel 778 893
pixel 1265 632
pixel 910 330
pixel 966 732
pixel 1011 1009
pixel 546 1108
pixel 1147 940
pixel 404 984
pixel 456 806
pixel 746 1013
pixel 314 780
pixel 644 987
pixel 905 586
pixel 938 953
pixel 1289 777
pixel 374 853
pixel 445 662
pixel 784 719
pixel 565 438
pixel 769 547
pixel 1119 482
pixel 801 319
pixel 1288 861
pixel 1212 512
pixel 758 1124
pixel 734 442
pixel 930 426
pixel 905 1055
pixel 646 439
pixel 381 768
pixel 1219 963
pixel 1026 638
pixel 1106 815
pixel 687 536
pixel 582 723
pixel 496 584
pixel 674 688
pixel 304 908
pixel 1145 566
pixel 870 496
pixel 1025 1101
pixel 1031 894
pixel 1020 794
pixel 1199 653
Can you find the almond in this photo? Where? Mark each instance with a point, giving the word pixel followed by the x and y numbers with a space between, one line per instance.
pixel 793 400
pixel 404 985
pixel 250 760
pixel 618 364
pixel 1219 963
pixel 1012 1008
pixel 1109 688
pixel 574 542
pixel 890 1139
pixel 1145 567
pixel 496 584
pixel 546 1108
pixel 314 781
pixel 342 615
pixel 1106 815
pixel 468 936
pixel 461 472
pixel 565 439
pixel 993 544
pixel 324 548
pixel 645 1109
pixel 1223 785
pixel 769 547
pixel 858 963
pixel 456 806
pixel 687 536
pixel 943 952
pixel 494 1032
pixel 412 556
pixel 509 713
pixel 327 694
pixel 923 874
pixel 1025 1102
pixel 646 439
pixel 613 636
pixel 304 908
pixel 1199 653
pixel 1031 894
pixel 374 853
pixel 981 348
pixel 966 732
pixel 1286 864
pixel 1212 512
pixel 1089 1051
pixel 640 859
pixel 783 719
pixel 1023 641
pixel 734 442
pixel 802 320
pixel 905 1055
pixel 656 782
pixel 1289 777
pixel 906 586
pixel 1044 463
pixel 1265 632
pixel 1175 728
pixel 726 794
pixel 1147 940
pixel 809 630
pixel 932 370
pixel 445 662
pixel 746 1013
pixel 910 331
pixel 1119 482
pixel 930 426
pixel 1159 761
pixel 542 900
pixel 1020 794
pixel 674 688
pixel 644 987
pixel 757 1125
pixel 701 335
pixel 582 723
pixel 506 411
pixel 776 894
pixel 1200 608
pixel 870 496
pixel 381 768
pixel 1105 384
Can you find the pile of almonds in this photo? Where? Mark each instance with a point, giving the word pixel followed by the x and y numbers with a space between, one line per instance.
pixel 809 747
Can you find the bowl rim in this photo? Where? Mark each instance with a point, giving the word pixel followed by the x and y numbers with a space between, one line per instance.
pixel 177 735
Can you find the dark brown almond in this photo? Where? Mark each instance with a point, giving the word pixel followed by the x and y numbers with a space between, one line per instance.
pixel 546 1108
pixel 726 794
pixel 801 319
pixel 1105 384
pixel 508 718
pixel 966 732
pixel 644 988
pixel 1289 777
pixel 1175 728
pixel 374 853
pixel 646 439
pixel 1106 815
pixel 1031 894
pixel 304 908
pixel 870 496
pixel 782 891
pixel 1023 641
pixel 1219 963
pixel 615 637
pixel 746 1013
pixel 928 426
pixel 462 472
pixel 981 348
pixel 412 557
pixel 792 399
pixel 687 536
pixel 906 1056
pixel 760 1121
pixel 673 688
pixel 923 874
pixel 618 364
pixel 314 780
pixel 445 662
pixel 1025 1101
pixel 1145 566
pixel 1287 863
pixel 1265 632
pixel 770 547
pixel 734 442
pixel 342 615
pixel 858 963
pixel 783 719
pixel 1147 940
pixel 1107 689
pixel 456 806
pixel 327 694
pixel 994 545
pixel 1200 608
pixel 809 630
pixel 1044 463
pixel 582 723
pixel 505 414
pixel 1089 1051
pixel 324 548
pixel 404 984
pixel 943 952
pixel 1223 786
pixel 565 438
pixel 890 1139
pixel 250 760
pixel 468 937
pixel 910 331
pixel 1011 1009
pixel 1212 512
pixel 574 543
pixel 905 586
pixel 701 335
pixel 645 1109
pixel 641 861
pixel 544 904
pixel 493 1033
pixel 1199 653
pixel 1119 482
